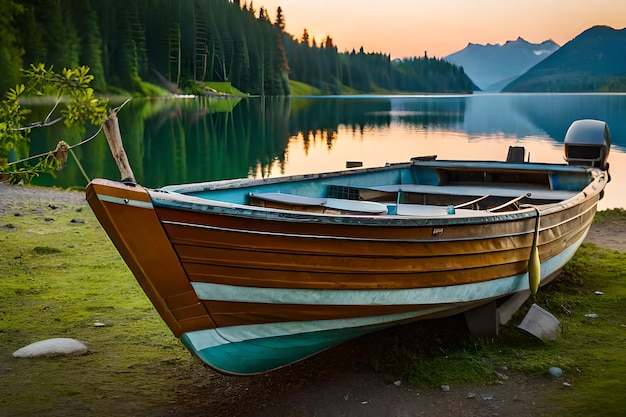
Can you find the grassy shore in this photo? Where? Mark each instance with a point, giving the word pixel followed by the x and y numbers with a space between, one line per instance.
pixel 60 275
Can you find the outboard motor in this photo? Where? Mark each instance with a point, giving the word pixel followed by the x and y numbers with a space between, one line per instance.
pixel 587 143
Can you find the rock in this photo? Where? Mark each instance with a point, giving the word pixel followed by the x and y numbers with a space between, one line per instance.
pixel 79 221
pixel 445 388
pixel 51 347
pixel 591 315
pixel 397 383
pixel 501 376
pixel 556 372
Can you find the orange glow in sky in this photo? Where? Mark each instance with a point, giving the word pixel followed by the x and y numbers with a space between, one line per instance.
pixel 406 28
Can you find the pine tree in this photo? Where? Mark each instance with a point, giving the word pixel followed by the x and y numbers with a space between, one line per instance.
pixel 10 51
pixel 91 49
pixel 280 19
pixel 305 37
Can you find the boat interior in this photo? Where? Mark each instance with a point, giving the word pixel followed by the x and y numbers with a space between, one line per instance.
pixel 423 187
pixel 422 191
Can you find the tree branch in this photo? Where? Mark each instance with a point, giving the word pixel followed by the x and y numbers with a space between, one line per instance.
pixel 114 138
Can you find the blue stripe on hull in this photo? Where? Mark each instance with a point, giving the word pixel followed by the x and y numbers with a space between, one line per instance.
pixel 262 355
pixel 256 348
pixel 260 348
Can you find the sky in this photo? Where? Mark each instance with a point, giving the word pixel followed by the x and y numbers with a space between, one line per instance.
pixel 406 28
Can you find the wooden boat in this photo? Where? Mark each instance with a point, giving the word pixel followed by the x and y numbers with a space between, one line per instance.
pixel 254 274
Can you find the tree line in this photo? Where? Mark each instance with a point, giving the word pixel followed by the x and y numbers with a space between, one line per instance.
pixel 332 72
pixel 132 45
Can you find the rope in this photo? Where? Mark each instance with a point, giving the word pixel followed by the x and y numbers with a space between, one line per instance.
pixel 41 155
pixel 80 166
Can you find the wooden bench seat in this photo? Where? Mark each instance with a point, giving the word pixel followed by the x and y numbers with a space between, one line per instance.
pixel 340 204
pixel 426 210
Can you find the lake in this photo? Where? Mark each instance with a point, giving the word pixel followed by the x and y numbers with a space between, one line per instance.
pixel 176 140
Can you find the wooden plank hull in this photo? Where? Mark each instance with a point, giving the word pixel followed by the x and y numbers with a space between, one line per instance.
pixel 249 289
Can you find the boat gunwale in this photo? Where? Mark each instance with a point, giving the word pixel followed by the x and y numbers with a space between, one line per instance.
pixel 195 204
pixel 178 197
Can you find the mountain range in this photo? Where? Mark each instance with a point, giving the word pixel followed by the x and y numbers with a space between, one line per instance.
pixel 594 61
pixel 491 67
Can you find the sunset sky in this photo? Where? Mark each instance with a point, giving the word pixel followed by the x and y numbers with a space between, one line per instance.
pixel 406 28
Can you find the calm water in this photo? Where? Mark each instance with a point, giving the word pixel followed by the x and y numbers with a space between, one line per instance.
pixel 191 140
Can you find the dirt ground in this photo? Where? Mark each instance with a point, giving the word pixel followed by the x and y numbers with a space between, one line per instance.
pixel 337 384
pixel 610 234
pixel 341 382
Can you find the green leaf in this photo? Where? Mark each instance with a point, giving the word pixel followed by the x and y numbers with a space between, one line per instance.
pixel 75 102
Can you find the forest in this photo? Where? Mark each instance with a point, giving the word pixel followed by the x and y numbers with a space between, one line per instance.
pixel 151 47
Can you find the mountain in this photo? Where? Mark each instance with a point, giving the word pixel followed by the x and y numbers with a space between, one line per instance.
pixel 595 60
pixel 490 66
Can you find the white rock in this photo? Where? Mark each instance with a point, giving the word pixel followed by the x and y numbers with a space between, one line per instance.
pixel 501 376
pixel 51 347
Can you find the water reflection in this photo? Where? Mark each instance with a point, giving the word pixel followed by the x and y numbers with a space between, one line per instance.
pixel 190 140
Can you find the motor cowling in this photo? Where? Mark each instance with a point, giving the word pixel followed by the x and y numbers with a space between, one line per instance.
pixel 587 143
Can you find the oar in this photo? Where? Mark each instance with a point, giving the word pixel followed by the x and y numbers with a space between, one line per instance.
pixel 469 203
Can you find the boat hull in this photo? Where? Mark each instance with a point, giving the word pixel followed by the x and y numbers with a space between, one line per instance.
pixel 249 289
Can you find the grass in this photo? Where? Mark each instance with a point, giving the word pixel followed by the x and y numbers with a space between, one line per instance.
pixel 60 274
pixel 301 89
pixel 224 87
pixel 610 215
pixel 58 278
pixel 590 350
